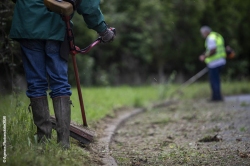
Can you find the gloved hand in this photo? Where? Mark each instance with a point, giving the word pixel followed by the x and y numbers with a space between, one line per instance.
pixel 108 35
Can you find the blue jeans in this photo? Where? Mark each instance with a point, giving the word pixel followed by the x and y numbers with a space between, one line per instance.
pixel 214 78
pixel 44 68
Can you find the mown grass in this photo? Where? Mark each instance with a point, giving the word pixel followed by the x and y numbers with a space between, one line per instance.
pixel 22 148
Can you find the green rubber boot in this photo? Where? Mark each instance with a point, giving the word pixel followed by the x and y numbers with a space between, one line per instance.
pixel 62 113
pixel 41 117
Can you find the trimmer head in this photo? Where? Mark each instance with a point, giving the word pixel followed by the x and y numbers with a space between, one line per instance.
pixel 80 133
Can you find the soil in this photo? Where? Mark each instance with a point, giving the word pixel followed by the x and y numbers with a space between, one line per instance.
pixel 190 132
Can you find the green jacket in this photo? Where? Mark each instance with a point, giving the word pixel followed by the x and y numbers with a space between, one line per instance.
pixel 32 20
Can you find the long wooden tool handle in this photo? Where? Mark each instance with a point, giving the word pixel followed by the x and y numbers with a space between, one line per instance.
pixel 73 53
pixel 79 90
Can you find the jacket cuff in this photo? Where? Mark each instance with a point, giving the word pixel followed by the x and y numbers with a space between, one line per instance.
pixel 101 27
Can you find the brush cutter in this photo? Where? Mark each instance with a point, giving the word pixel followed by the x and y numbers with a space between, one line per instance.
pixel 190 81
pixel 81 133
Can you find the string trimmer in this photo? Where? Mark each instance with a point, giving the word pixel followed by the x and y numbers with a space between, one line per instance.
pixel 65 9
pixel 189 81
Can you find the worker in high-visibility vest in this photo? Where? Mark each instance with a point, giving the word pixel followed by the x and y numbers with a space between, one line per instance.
pixel 215 59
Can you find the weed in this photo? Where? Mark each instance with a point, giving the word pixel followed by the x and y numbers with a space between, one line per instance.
pixel 243 129
pixel 216 129
pixel 244 104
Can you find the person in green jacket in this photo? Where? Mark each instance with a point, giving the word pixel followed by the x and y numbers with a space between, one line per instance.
pixel 41 33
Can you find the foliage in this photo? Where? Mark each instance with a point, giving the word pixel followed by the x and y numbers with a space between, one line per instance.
pixel 10 61
pixel 154 38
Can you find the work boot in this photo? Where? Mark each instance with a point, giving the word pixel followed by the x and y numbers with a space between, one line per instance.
pixel 41 117
pixel 62 112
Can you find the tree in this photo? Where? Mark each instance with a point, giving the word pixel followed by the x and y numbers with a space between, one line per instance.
pixel 154 38
pixel 10 61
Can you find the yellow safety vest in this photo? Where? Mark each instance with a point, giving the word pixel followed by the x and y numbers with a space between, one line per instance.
pixel 220 48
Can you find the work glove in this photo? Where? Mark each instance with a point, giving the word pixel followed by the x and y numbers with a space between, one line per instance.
pixel 108 35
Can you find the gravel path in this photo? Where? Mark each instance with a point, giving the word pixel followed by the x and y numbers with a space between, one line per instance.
pixel 187 133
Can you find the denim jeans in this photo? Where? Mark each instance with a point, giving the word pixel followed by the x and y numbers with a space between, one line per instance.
pixel 214 78
pixel 44 68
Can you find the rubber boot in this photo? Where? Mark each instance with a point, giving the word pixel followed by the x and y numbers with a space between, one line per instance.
pixel 41 117
pixel 62 113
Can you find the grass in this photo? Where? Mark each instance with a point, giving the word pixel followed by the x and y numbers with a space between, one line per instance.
pixel 22 148
pixel 101 101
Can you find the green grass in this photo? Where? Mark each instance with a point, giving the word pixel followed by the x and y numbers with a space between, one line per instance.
pixel 101 101
pixel 22 148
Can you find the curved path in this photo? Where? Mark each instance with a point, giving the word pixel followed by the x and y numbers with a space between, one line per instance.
pixel 127 140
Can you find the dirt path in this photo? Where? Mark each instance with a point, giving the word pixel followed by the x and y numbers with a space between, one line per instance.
pixel 187 133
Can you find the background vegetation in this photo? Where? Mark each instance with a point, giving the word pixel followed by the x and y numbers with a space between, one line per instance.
pixel 154 38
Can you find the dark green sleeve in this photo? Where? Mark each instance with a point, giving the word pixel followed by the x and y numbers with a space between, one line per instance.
pixel 92 15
